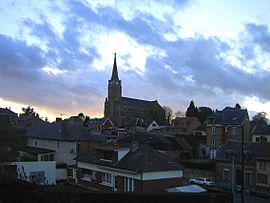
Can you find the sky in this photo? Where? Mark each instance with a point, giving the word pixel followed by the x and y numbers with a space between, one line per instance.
pixel 57 56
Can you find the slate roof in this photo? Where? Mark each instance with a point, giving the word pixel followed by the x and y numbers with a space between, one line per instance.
pixel 54 131
pixel 143 159
pixel 7 111
pixel 236 146
pixel 136 122
pixel 228 116
pixel 35 150
pixel 146 159
pixel 137 102
pixel 264 152
pixel 261 130
pixel 146 138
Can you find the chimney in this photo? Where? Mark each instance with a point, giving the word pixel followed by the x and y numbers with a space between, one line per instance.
pixel 58 120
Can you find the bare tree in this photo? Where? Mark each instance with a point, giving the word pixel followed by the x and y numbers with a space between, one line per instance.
pixel 178 114
pixel 168 114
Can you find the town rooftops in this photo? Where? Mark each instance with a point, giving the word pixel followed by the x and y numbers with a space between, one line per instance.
pixel 64 131
pixel 261 130
pixel 141 159
pixel 235 147
pixel 228 116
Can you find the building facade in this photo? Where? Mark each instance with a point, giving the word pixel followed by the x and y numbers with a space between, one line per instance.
pixel 228 124
pixel 123 109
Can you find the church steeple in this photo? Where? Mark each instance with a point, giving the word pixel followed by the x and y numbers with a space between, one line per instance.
pixel 114 72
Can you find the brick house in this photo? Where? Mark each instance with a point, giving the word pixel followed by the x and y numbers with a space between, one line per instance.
pixel 224 162
pixel 228 124
pixel 263 166
pixel 184 125
pixel 128 168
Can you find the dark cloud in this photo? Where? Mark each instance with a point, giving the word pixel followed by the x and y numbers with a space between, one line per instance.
pixel 190 68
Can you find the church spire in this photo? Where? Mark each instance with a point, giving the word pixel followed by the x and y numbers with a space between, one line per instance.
pixel 114 72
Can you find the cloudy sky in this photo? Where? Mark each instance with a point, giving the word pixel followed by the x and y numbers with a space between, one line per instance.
pixel 57 56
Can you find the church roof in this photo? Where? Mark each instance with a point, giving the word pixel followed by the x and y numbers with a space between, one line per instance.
pixel 137 102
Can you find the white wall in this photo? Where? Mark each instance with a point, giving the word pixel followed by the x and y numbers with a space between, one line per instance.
pixel 48 167
pixel 162 174
pixel 121 153
pixel 65 153
pixel 61 174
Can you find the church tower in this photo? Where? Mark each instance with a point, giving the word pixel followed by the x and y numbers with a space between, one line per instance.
pixel 112 102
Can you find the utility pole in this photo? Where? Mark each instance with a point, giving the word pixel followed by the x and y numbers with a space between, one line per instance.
pixel 233 175
pixel 242 166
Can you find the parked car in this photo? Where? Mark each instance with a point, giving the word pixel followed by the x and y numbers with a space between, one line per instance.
pixel 228 186
pixel 202 181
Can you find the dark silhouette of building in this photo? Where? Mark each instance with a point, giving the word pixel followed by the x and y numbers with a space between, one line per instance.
pixel 123 108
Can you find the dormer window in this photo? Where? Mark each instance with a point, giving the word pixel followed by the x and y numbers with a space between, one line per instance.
pixel 234 118
pixel 106 155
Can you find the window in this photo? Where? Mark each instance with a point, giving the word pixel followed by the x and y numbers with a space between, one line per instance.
pixel 78 147
pixel 128 184
pixel 70 172
pixel 226 155
pixel 106 178
pixel 226 174
pixel 93 176
pixel 262 165
pixel 58 145
pixel 247 177
pixel 257 139
pixel 35 143
pixel 262 178
pixel 233 131
pixel 107 155
pixel 213 129
pixel 86 176
pixel 213 141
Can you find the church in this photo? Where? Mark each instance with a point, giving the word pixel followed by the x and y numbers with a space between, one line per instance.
pixel 124 109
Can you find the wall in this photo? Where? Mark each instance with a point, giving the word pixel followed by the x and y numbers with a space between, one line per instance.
pixel 61 174
pixel 255 136
pixel 65 153
pixel 25 169
pixel 265 172
pixel 228 165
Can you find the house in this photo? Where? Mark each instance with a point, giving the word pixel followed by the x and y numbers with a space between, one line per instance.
pixel 39 172
pixel 155 140
pixel 135 125
pixel 65 139
pixel 263 166
pixel 179 148
pixel 232 152
pixel 100 124
pixel 261 132
pixel 227 124
pixel 184 125
pixel 128 168
pixel 8 118
pixel 153 126
pixel 26 120
pixel 28 153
